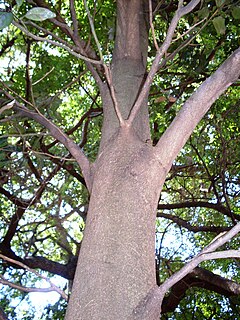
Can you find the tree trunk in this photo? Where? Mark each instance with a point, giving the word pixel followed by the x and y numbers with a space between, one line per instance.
pixel 116 267
pixel 115 276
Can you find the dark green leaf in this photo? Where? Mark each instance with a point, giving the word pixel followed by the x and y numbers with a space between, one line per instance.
pixel 219 3
pixel 5 19
pixel 236 13
pixel 203 13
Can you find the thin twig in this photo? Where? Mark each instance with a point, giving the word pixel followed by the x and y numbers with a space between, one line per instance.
pixel 93 30
pixel 113 95
pixel 53 287
pixel 75 21
pixel 25 289
pixel 57 44
pixel 151 25
pixel 43 77
pixel 49 155
pixel 190 29
pixel 47 32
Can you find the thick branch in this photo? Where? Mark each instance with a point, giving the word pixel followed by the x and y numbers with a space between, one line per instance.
pixel 200 278
pixel 66 271
pixel 198 204
pixel 185 224
pixel 195 107
pixel 152 302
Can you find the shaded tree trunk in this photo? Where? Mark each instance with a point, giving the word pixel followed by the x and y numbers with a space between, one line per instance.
pixel 116 266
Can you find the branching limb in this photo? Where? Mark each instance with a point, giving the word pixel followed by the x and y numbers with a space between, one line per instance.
pixel 52 287
pixel 69 48
pixel 81 46
pixel 175 137
pixel 91 22
pixel 200 278
pixel 152 303
pixel 58 134
pixel 181 11
pixel 206 254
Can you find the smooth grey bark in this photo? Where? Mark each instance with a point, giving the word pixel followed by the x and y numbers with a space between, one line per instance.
pixel 116 266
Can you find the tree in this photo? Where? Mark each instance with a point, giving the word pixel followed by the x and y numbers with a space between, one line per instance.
pixel 170 54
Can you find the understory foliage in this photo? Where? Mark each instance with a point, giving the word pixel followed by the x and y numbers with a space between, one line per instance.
pixel 43 196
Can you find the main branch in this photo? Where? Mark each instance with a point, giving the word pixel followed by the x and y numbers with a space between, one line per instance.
pixel 152 302
pixel 160 53
pixel 175 137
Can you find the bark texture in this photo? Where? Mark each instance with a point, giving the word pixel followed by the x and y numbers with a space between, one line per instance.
pixel 116 267
pixel 117 254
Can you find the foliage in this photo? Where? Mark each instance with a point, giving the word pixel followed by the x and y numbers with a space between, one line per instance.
pixel 43 200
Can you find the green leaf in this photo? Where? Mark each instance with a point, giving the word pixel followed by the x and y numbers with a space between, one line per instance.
pixel 219 25
pixel 236 12
pixel 219 3
pixel 5 19
pixel 203 13
pixel 19 3
pixel 39 14
pixel 3 142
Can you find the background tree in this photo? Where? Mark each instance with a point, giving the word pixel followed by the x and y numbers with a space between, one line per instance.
pixel 104 95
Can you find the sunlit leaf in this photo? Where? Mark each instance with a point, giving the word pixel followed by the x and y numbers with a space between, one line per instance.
pixel 219 25
pixel 39 14
pixel 5 19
